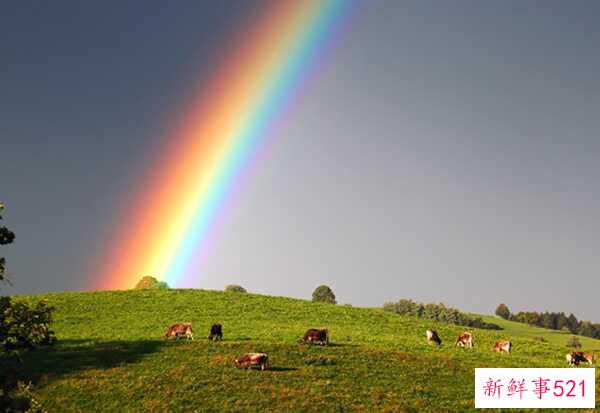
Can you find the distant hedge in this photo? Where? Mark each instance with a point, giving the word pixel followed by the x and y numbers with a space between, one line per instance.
pixel 438 312
pixel 558 321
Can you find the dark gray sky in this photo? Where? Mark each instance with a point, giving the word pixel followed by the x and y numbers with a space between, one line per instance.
pixel 442 152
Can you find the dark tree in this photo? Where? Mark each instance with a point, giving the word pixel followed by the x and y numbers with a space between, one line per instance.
pixel 572 323
pixel 503 311
pixel 586 329
pixel 6 237
pixel 22 327
pixel 323 294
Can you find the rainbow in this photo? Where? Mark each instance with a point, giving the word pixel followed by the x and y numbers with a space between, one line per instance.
pixel 167 226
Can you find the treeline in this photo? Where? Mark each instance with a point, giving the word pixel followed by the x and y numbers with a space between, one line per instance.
pixel 552 321
pixel 438 312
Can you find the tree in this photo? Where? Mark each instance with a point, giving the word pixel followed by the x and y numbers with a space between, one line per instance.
pixel 503 311
pixel 234 288
pixel 22 327
pixel 562 322
pixel 323 294
pixel 150 283
pixel 6 237
pixel 586 329
pixel 572 323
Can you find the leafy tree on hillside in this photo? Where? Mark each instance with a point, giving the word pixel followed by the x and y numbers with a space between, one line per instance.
pixel 150 283
pixel 234 288
pixel 562 322
pixel 572 323
pixel 6 237
pixel 21 328
pixel 586 329
pixel 503 311
pixel 323 294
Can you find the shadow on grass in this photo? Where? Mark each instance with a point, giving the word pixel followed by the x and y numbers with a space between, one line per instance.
pixel 70 356
pixel 282 368
pixel 311 345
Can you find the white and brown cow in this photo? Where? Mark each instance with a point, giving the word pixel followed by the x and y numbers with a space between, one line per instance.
pixel 253 359
pixel 180 329
pixel 465 339
pixel 433 337
pixel 576 357
pixel 502 346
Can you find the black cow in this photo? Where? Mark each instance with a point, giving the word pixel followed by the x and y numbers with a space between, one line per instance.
pixel 216 332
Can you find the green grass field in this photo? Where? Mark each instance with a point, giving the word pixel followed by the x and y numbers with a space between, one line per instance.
pixel 111 356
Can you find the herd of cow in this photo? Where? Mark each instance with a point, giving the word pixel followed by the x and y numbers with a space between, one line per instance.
pixel 466 340
pixel 321 336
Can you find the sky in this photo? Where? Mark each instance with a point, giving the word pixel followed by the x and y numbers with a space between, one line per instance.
pixel 444 152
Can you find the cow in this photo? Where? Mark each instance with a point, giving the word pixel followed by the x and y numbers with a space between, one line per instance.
pixel 465 340
pixel 433 337
pixel 253 359
pixel 314 335
pixel 216 332
pixel 576 357
pixel 180 329
pixel 502 345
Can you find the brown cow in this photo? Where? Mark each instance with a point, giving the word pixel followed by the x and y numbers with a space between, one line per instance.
pixel 253 359
pixel 180 329
pixel 465 340
pixel 576 357
pixel 502 345
pixel 314 335
pixel 433 337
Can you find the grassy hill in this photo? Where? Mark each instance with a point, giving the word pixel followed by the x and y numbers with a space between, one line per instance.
pixel 558 338
pixel 112 356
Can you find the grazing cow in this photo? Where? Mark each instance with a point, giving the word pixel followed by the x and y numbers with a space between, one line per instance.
pixel 216 332
pixel 465 340
pixel 180 329
pixel 576 357
pixel 502 345
pixel 314 335
pixel 433 337
pixel 572 360
pixel 253 359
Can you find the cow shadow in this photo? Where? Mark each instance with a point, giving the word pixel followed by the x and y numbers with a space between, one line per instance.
pixel 313 345
pixel 283 368
pixel 341 345
pixel 70 356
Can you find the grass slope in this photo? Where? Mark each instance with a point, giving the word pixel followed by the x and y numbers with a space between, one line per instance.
pixel 112 356
pixel 558 338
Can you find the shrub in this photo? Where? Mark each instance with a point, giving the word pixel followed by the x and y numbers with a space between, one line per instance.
pixel 574 342
pixel 503 311
pixel 323 294
pixel 150 283
pixel 233 288
pixel 540 339
pixel 22 327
